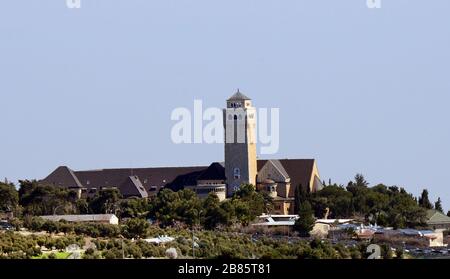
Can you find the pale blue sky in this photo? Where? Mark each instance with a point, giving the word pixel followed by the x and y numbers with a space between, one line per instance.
pixel 360 90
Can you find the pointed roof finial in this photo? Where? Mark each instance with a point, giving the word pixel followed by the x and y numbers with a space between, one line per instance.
pixel 238 96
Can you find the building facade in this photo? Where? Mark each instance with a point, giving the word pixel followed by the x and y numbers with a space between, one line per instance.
pixel 278 177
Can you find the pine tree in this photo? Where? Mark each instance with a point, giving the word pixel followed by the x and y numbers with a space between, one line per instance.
pixel 306 220
pixel 361 181
pixel 297 199
pixel 301 195
pixel 424 201
pixel 438 205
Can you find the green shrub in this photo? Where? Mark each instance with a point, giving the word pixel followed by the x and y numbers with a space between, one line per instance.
pixel 114 253
pixel 91 254
pixel 136 228
pixel 134 251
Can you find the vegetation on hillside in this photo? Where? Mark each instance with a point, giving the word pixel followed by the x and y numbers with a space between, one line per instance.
pixel 211 244
pixel 381 204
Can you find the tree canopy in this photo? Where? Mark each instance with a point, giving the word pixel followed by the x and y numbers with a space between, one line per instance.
pixel 438 205
pixel 136 228
pixel 9 197
pixel 386 206
pixel 305 223
pixel 381 204
pixel 105 201
pixel 424 201
pixel 37 199
pixel 184 206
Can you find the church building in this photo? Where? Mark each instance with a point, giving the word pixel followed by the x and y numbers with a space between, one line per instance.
pixel 278 177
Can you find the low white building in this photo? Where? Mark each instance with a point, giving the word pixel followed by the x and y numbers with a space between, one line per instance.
pixel 160 239
pixel 276 220
pixel 91 218
pixel 435 238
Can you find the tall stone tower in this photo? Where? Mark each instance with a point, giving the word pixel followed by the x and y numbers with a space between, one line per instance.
pixel 240 142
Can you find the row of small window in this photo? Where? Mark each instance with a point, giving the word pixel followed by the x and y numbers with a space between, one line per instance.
pixel 206 191
pixel 239 116
pixel 94 190
pixel 213 183
pixel 145 182
pixel 236 105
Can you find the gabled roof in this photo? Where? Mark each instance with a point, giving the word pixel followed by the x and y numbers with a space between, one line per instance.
pixel 132 187
pixel 437 217
pixel 279 167
pixel 299 170
pixel 149 177
pixel 64 177
pixel 214 172
pixel 238 96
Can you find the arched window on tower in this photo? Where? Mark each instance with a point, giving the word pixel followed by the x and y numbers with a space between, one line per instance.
pixel 237 173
